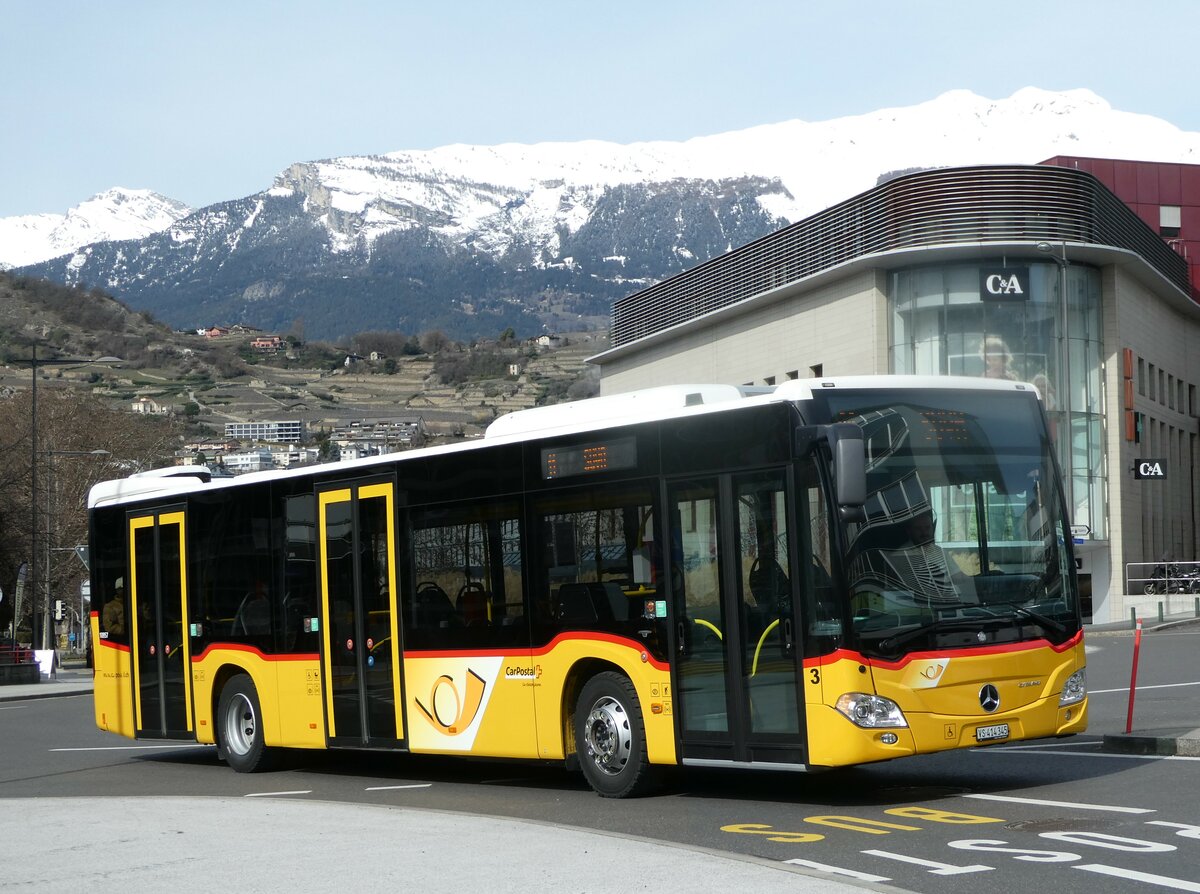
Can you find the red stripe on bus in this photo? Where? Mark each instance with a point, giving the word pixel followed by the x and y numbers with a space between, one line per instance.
pixel 1030 646
pixel 541 651
pixel 238 647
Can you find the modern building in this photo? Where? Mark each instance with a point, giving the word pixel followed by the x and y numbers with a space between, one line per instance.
pixel 1036 272
pixel 288 431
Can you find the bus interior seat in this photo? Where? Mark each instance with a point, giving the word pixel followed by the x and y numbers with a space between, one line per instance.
pixel 769 584
pixel 472 605
pixel 432 606
pixel 576 605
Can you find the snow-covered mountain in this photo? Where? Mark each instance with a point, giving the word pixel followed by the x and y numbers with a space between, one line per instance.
pixel 115 214
pixel 474 238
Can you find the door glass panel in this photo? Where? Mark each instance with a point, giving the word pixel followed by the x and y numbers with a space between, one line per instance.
pixel 768 636
pixel 696 584
pixel 378 646
pixel 145 631
pixel 174 656
pixel 343 639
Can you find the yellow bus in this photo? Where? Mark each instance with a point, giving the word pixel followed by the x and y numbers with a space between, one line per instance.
pixel 820 574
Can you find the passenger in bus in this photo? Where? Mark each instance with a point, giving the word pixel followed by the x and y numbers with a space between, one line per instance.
pixel 112 616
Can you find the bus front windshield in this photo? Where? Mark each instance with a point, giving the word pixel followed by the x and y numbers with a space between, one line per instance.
pixel 964 544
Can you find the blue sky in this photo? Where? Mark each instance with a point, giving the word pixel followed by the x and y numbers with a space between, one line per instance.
pixel 207 101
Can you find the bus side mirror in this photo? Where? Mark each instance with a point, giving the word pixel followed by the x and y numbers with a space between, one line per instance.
pixel 850 470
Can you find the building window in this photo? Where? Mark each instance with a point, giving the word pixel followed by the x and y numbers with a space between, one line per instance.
pixel 940 325
pixel 817 370
pixel 1169 220
pixel 769 380
pixel 793 374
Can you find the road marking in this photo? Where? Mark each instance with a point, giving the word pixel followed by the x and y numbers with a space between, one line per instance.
pixel 392 788
pixel 838 870
pixel 1164 881
pixel 1036 746
pixel 1125 689
pixel 307 791
pixel 132 747
pixel 1127 757
pixel 1041 802
pixel 934 867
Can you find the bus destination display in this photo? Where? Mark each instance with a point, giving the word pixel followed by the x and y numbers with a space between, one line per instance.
pixel 588 459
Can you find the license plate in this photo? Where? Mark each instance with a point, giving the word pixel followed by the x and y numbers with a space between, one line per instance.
pixel 991 733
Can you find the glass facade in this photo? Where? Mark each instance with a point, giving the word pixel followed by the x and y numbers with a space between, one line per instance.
pixel 943 325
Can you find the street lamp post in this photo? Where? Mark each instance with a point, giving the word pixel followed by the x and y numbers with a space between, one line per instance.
pixel 1065 385
pixel 34 363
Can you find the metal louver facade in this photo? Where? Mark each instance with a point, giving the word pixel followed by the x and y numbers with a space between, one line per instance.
pixel 988 204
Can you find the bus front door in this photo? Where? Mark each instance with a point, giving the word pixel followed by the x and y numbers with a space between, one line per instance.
pixel 738 664
pixel 162 679
pixel 360 639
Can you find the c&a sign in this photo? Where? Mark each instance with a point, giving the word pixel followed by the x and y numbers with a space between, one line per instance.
pixel 1004 283
pixel 1150 468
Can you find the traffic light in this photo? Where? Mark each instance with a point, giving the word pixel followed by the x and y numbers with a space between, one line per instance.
pixel 60 609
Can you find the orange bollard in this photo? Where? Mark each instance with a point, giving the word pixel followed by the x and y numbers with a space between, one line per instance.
pixel 1137 645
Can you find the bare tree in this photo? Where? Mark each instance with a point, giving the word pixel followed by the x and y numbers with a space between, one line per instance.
pixel 80 442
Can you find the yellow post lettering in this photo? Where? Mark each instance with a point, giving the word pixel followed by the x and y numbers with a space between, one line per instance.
pixel 772 833
pixel 855 824
pixel 940 816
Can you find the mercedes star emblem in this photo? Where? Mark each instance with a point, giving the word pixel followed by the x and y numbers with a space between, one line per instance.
pixel 989 698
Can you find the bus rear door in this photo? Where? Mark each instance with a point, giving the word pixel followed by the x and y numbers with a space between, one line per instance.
pixel 162 680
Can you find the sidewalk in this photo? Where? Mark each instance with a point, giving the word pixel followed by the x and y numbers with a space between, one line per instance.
pixel 66 681
pixel 281 844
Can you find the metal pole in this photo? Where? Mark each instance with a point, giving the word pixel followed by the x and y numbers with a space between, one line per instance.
pixel 34 635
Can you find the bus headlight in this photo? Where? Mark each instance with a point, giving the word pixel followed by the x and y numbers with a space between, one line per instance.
pixel 871 711
pixel 1074 690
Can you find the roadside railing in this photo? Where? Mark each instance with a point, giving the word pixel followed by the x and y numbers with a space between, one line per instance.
pixel 1165 588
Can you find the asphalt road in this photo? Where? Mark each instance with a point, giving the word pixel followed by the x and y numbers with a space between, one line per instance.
pixel 1064 813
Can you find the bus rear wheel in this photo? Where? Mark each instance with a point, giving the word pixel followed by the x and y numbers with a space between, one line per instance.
pixel 610 738
pixel 239 726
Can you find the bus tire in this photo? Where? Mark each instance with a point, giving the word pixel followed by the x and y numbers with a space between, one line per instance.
pixel 610 738
pixel 239 727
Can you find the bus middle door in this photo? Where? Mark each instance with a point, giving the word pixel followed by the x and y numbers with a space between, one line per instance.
pixel 361 649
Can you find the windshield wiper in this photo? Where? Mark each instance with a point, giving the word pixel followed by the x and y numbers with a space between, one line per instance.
pixel 934 626
pixel 1037 617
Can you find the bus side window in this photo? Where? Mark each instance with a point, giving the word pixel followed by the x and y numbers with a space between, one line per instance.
pixel 467 586
pixel 599 563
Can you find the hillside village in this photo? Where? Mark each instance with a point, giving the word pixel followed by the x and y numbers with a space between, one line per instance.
pixel 244 399
pixel 284 412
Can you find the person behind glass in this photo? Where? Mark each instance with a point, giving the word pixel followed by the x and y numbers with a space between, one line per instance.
pixel 112 616
pixel 997 359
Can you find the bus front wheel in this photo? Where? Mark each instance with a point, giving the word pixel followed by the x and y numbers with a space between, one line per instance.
pixel 239 722
pixel 610 737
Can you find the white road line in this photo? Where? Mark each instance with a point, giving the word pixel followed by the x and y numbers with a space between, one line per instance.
pixel 1125 690
pixel 133 747
pixel 1176 884
pixel 1102 754
pixel 838 870
pixel 307 791
pixel 392 788
pixel 934 867
pixel 1044 803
